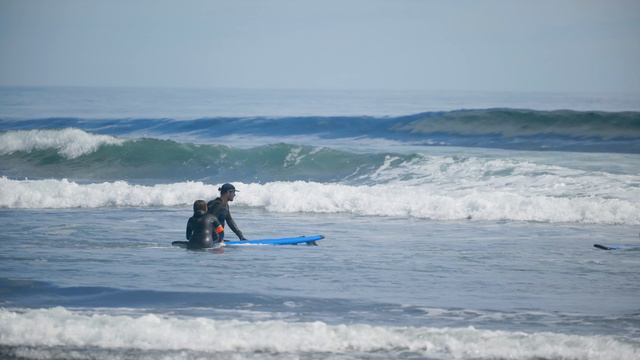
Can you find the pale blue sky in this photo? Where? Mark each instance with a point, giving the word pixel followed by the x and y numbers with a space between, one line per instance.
pixel 510 45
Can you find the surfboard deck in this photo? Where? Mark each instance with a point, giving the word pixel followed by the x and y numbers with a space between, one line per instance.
pixel 310 240
pixel 278 241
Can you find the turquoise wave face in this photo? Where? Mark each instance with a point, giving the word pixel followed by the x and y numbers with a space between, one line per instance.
pixel 155 159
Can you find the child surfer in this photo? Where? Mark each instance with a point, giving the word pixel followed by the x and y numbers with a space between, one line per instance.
pixel 203 229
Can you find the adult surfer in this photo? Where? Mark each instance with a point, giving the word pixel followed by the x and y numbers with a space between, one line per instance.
pixel 219 207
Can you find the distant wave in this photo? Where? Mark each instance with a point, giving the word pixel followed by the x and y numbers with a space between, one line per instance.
pixel 47 330
pixel 562 130
pixel 511 123
pixel 419 201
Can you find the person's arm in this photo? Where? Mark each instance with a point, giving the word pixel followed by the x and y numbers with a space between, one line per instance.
pixel 189 229
pixel 217 229
pixel 233 226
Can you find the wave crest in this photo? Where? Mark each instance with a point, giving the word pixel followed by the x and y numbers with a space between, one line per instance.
pixel 70 143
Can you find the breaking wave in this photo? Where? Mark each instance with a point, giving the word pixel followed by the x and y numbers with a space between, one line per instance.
pixel 38 333
pixel 68 143
pixel 419 201
pixel 76 153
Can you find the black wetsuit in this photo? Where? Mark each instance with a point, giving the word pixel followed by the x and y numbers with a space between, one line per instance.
pixel 201 230
pixel 223 215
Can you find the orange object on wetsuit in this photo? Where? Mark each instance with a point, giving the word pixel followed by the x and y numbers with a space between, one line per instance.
pixel 219 229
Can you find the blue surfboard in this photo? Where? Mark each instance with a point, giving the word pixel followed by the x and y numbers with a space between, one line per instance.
pixel 311 240
pixel 279 241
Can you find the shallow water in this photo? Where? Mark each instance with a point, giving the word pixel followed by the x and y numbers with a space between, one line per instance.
pixel 392 271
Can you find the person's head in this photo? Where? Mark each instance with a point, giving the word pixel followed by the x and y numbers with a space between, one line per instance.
pixel 227 191
pixel 199 205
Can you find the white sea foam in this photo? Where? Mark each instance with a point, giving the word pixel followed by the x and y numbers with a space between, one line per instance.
pixel 425 201
pixel 515 175
pixel 420 201
pixel 70 143
pixel 294 157
pixel 61 327
pixel 69 194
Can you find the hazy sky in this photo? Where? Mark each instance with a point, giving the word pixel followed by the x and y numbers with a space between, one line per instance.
pixel 510 45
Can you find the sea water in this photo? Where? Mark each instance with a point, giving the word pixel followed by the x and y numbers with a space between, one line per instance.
pixel 458 225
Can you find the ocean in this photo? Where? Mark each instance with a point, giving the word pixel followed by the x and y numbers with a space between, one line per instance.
pixel 458 225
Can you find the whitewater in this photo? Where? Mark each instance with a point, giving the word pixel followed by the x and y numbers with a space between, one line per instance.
pixel 457 225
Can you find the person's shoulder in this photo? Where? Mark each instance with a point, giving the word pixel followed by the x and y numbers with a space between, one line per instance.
pixel 214 202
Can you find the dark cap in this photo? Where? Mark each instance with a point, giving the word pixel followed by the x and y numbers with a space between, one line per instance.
pixel 226 187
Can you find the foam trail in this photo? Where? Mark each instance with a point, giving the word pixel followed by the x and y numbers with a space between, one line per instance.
pixel 61 327
pixel 420 201
pixel 70 143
